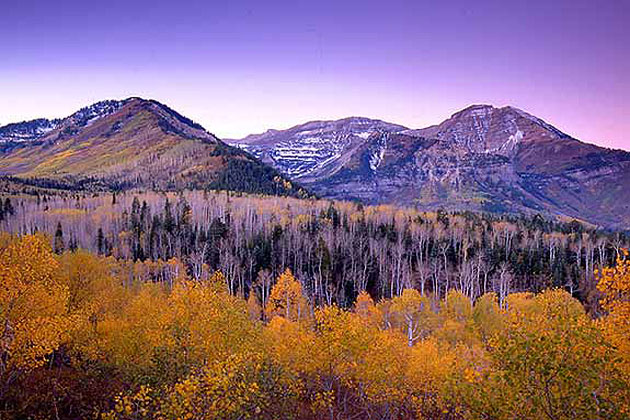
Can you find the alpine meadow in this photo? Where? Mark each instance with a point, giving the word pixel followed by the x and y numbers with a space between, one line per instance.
pixel 314 210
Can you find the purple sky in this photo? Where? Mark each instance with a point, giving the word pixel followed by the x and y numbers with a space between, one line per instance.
pixel 239 67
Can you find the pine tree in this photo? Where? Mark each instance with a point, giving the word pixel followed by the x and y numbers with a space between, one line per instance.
pixel 100 241
pixel 59 245
pixel 8 207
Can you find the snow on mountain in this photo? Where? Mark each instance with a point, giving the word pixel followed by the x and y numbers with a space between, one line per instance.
pixel 377 152
pixel 307 148
pixel 137 143
pixel 89 114
pixel 496 159
pixel 488 129
pixel 539 122
pixel 28 131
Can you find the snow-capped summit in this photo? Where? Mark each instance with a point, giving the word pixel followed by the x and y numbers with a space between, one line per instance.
pixel 19 134
pixel 497 159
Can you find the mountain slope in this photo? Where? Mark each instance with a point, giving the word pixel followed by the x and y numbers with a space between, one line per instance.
pixel 482 158
pixel 137 143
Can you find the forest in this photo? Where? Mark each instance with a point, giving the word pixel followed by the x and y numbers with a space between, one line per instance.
pixel 336 249
pixel 215 305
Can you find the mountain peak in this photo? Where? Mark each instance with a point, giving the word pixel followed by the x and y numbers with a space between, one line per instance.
pixel 315 146
pixel 485 128
pixel 164 112
pixel 538 121
pixel 489 158
pixel 35 130
pixel 90 113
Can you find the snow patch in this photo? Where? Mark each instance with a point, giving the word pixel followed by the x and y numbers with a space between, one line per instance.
pixel 302 150
pixel 512 141
pixel 377 157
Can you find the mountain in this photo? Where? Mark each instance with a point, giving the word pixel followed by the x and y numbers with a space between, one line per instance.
pixel 482 158
pixel 314 149
pixel 131 143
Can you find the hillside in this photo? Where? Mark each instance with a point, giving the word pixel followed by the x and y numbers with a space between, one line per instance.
pixel 131 143
pixel 482 158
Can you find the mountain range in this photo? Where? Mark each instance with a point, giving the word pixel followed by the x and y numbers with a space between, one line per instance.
pixel 483 158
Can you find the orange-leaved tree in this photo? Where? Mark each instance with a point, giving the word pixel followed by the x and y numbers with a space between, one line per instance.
pixel 286 299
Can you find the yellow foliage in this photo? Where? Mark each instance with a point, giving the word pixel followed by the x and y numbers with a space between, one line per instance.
pixel 190 350
pixel 292 345
pixel 366 310
pixel 412 313
pixel 253 307
pixel 614 284
pixel 33 304
pixel 457 306
pixel 487 316
pixel 541 357
pixel 286 299
pixel 160 334
pixel 243 386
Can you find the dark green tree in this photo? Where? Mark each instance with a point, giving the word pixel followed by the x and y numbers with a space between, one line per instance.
pixel 59 245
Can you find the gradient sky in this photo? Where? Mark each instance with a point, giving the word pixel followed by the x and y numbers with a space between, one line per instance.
pixel 239 67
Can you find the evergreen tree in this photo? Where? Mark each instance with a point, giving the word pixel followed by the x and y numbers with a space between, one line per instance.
pixel 100 241
pixel 169 220
pixel 8 207
pixel 59 245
